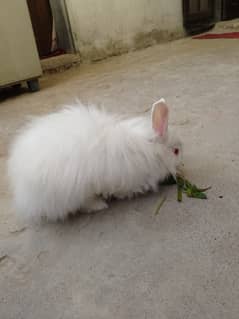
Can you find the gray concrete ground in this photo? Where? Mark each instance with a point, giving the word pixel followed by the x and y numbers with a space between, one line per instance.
pixel 125 262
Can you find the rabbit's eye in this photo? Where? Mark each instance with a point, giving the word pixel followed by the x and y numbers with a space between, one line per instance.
pixel 176 151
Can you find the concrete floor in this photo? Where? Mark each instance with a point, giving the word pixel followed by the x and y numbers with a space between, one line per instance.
pixel 126 262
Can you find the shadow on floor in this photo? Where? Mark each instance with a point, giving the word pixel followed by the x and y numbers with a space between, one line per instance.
pixel 11 92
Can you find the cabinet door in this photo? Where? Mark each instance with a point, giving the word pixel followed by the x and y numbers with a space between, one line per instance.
pixel 19 59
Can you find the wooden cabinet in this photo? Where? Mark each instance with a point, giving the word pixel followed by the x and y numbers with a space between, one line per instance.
pixel 19 59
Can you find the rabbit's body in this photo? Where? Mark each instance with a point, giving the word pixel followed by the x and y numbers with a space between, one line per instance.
pixel 73 159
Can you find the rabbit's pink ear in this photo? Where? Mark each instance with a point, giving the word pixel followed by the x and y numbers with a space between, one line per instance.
pixel 160 118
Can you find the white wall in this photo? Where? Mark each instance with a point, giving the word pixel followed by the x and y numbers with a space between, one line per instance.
pixel 106 27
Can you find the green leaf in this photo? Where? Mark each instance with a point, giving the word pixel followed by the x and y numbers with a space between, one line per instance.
pixel 183 186
pixel 200 195
pixel 159 205
pixel 191 190
pixel 180 193
pixel 204 189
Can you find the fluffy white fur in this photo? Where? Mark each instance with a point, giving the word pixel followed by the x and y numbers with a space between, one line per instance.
pixel 73 159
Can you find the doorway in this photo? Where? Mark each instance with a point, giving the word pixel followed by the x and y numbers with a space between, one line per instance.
pixel 51 27
pixel 230 9
pixel 199 15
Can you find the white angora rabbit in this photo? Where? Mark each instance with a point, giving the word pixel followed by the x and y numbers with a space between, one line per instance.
pixel 74 159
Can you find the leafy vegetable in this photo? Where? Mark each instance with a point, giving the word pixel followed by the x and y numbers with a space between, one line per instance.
pixel 191 190
pixel 180 193
pixel 183 186
pixel 159 205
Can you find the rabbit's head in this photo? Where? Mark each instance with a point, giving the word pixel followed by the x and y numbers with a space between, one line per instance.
pixel 168 147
